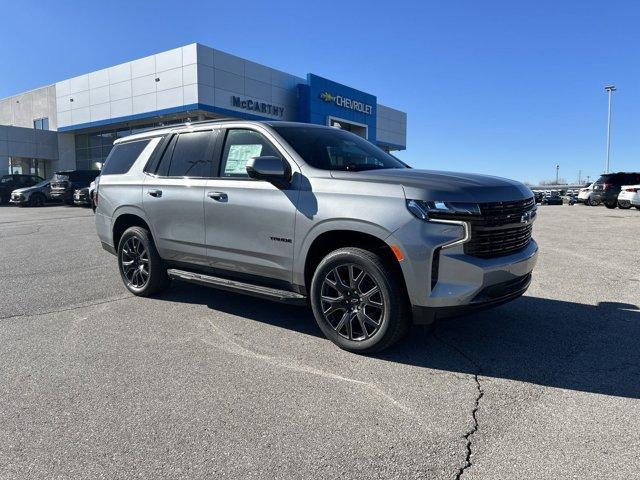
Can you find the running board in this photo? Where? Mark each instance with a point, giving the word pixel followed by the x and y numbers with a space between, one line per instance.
pixel 269 293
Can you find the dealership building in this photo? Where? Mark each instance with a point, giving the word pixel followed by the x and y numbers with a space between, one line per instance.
pixel 73 123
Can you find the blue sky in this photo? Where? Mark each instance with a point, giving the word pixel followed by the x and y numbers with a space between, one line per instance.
pixel 501 87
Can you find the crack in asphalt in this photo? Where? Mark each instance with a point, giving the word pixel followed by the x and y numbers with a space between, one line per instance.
pixel 474 412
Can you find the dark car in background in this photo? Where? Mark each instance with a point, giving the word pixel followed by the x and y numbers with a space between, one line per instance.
pixel 11 182
pixel 553 199
pixel 34 196
pixel 607 188
pixel 65 183
pixel 82 197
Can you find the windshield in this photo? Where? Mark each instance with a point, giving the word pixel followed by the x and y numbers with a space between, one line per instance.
pixel 333 149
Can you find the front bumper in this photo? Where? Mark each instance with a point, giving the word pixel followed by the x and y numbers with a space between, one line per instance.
pixel 61 194
pixel 18 199
pixel 464 282
pixel 81 199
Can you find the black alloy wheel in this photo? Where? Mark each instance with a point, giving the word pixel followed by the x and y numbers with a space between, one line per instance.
pixel 36 200
pixel 141 268
pixel 359 300
pixel 351 302
pixel 135 263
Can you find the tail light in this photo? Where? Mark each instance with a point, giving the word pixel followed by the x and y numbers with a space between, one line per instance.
pixel 634 189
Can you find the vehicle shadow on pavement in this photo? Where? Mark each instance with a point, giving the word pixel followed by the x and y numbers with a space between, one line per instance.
pixel 296 318
pixel 545 342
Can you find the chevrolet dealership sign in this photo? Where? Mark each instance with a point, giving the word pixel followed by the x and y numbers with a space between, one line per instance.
pixel 255 106
pixel 345 102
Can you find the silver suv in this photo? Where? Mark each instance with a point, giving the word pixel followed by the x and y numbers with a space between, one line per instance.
pixel 304 213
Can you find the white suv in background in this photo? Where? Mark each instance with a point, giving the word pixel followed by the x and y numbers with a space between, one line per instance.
pixel 585 196
pixel 629 196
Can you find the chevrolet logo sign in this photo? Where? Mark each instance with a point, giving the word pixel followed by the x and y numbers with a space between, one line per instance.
pixel 327 97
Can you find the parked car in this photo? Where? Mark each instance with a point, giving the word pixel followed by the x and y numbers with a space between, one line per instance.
pixel 586 196
pixel 82 197
pixel 14 181
pixel 552 199
pixel 608 186
pixel 629 196
pixel 305 213
pixel 65 183
pixel 35 196
pixel 538 196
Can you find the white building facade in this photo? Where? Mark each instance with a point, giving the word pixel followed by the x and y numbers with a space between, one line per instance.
pixel 194 82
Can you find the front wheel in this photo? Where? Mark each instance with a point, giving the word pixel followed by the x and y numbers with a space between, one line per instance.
pixel 592 202
pixel 610 204
pixel 624 206
pixel 141 268
pixel 358 301
pixel 36 200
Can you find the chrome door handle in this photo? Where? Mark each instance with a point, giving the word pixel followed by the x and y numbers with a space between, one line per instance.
pixel 219 196
pixel 155 193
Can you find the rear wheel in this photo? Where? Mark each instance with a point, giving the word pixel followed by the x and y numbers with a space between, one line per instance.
pixel 358 301
pixel 141 268
pixel 592 202
pixel 624 206
pixel 611 204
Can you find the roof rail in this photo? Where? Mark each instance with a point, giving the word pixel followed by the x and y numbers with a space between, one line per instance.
pixel 197 122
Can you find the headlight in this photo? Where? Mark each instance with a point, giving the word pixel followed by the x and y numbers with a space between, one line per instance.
pixel 425 209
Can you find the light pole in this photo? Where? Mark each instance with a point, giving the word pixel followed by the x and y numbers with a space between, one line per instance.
pixel 557 173
pixel 609 89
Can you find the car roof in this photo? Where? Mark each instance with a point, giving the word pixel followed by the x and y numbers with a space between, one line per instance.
pixel 159 131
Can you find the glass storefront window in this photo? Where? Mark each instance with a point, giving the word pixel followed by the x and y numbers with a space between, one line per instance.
pixel 92 148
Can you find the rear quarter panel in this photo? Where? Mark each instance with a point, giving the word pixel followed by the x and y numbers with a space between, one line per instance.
pixel 121 194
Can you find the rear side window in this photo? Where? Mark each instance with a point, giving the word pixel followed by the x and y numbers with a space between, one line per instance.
pixel 189 155
pixel 192 155
pixel 123 156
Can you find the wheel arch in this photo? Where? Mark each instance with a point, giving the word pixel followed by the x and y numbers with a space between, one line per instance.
pixel 125 218
pixel 332 239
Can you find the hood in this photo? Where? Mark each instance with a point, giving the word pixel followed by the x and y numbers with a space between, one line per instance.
pixel 22 190
pixel 446 186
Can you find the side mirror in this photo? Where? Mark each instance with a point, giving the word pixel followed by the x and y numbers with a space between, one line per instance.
pixel 269 168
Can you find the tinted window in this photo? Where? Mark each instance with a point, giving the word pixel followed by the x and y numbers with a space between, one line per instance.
pixel 192 155
pixel 122 157
pixel 333 149
pixel 631 179
pixel 240 146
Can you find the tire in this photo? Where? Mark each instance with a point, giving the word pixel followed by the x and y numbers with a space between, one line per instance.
pixel 638 207
pixel 136 245
pixel 625 206
pixel 611 204
pixel 36 200
pixel 355 319
pixel 592 202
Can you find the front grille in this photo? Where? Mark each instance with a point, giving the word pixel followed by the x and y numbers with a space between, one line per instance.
pixel 499 230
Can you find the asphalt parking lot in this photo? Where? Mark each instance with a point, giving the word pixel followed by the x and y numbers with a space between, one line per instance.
pixel 197 383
